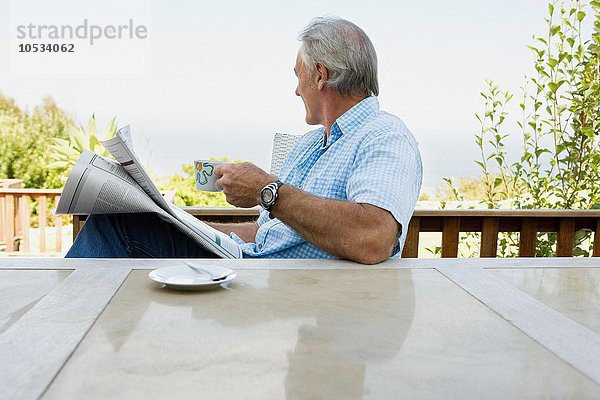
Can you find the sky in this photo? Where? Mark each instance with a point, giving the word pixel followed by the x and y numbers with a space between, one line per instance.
pixel 215 78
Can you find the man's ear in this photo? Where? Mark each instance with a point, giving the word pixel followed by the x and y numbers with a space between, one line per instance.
pixel 321 75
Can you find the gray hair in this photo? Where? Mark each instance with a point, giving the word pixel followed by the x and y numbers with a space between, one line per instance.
pixel 345 50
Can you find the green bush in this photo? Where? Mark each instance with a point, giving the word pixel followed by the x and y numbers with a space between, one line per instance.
pixel 64 153
pixel 186 193
pixel 560 122
pixel 559 126
pixel 24 139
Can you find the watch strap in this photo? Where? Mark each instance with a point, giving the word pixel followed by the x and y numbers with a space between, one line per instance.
pixel 273 186
pixel 279 185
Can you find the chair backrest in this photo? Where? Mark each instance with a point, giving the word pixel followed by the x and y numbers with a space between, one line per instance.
pixel 282 144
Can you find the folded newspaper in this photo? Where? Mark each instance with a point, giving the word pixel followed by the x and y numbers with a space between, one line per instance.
pixel 98 185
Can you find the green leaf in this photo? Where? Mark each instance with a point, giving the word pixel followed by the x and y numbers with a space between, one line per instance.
pixel 90 130
pixel 58 164
pixel 555 86
pixel 539 52
pixel 587 131
pixel 539 152
pixel 110 130
pixel 580 16
pixel 94 144
pixel 60 142
pixel 77 137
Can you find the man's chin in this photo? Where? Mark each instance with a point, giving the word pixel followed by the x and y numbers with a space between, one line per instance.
pixel 310 121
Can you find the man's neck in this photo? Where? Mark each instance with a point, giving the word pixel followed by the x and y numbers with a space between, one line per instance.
pixel 335 106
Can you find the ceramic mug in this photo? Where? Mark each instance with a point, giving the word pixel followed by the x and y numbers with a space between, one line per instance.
pixel 205 175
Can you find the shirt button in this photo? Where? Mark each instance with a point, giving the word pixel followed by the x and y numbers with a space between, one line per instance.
pixel 260 246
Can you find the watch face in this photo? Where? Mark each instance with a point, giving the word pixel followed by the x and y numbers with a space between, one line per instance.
pixel 266 196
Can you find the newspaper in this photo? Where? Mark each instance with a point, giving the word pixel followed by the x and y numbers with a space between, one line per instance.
pixel 97 185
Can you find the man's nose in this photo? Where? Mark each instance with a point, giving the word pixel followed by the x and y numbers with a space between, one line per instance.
pixel 297 93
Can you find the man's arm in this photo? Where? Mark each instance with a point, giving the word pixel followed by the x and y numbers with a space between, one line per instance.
pixel 245 230
pixel 355 231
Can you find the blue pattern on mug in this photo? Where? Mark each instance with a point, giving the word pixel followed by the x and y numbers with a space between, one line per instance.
pixel 206 170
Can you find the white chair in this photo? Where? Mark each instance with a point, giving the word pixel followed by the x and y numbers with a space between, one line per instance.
pixel 282 144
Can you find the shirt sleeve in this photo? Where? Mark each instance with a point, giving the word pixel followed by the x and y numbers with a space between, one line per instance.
pixel 387 173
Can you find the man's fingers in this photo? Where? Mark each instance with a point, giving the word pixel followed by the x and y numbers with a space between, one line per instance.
pixel 221 169
pixel 223 182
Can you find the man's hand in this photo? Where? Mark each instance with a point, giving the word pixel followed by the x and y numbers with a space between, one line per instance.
pixel 242 183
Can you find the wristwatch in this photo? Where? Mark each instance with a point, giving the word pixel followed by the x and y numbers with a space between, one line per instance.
pixel 268 195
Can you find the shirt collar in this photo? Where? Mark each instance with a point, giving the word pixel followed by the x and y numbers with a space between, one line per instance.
pixel 352 119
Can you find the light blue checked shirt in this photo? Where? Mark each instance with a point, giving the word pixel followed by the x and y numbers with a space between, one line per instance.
pixel 370 157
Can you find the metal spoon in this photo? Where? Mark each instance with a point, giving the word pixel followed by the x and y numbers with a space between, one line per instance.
pixel 214 277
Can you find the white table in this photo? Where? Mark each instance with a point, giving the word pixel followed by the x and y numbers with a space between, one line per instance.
pixel 302 329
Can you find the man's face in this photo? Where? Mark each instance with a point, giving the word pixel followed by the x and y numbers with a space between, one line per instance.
pixel 307 90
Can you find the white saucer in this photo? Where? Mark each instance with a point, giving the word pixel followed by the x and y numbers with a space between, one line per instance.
pixel 183 277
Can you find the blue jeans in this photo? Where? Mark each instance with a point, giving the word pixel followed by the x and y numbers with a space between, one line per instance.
pixel 133 236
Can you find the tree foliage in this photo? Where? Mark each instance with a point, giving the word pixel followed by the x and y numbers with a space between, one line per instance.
pixel 42 146
pixel 24 139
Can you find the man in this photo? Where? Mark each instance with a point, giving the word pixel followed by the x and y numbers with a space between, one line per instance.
pixel 347 189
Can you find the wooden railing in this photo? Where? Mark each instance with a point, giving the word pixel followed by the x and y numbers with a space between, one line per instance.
pixel 15 218
pixel 452 222
pixel 491 222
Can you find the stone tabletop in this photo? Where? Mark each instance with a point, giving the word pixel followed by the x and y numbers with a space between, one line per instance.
pixel 302 329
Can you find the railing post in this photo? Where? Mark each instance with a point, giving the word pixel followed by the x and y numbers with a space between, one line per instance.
pixel 489 237
pixel 3 219
pixel 528 237
pixel 42 207
pixel 566 234
pixel 26 221
pixel 17 219
pixel 58 222
pixel 10 223
pixel 450 232
pixel 596 250
pixel 411 245
pixel 77 219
